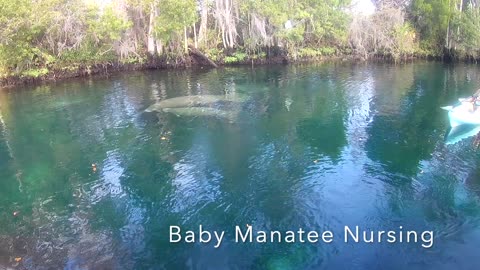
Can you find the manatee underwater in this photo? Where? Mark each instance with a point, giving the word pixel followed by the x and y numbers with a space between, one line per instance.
pixel 200 111
pixel 195 101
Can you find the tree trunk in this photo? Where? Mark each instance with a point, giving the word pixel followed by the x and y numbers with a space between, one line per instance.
pixel 223 39
pixel 203 23
pixel 458 27
pixel 230 23
pixel 159 46
pixel 151 25
pixel 186 41
pixel 447 41
pixel 202 56
pixel 158 42
pixel 225 18
pixel 195 36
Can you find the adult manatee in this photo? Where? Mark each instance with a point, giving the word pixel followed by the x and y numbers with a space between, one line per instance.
pixel 193 101
pixel 201 111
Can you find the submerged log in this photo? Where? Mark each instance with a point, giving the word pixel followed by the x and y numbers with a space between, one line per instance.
pixel 202 56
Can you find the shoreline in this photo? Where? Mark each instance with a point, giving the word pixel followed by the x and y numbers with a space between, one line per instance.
pixel 190 62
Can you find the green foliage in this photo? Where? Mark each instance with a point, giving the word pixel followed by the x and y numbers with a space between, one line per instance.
pixel 88 54
pixel 261 55
pixel 311 23
pixel 214 54
pixel 29 43
pixel 35 73
pixel 427 49
pixel 276 11
pixel 327 51
pixel 467 36
pixel 237 57
pixel 404 36
pixel 293 36
pixel 326 20
pixel 448 24
pixel 431 18
pixel 174 16
pixel 241 56
pixel 106 26
pixel 316 52
pixel 309 52
pixel 134 60
pixel 22 23
pixel 230 60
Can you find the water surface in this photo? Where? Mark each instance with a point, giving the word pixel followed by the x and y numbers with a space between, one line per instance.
pixel 94 181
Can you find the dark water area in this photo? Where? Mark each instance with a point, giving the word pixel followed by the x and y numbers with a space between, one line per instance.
pixel 89 180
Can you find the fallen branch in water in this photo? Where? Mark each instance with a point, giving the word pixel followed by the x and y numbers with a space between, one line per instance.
pixel 202 56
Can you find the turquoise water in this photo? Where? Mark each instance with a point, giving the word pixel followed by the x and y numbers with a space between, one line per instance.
pixel 89 180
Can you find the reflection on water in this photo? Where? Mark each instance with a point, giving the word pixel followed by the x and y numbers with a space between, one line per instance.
pixel 317 147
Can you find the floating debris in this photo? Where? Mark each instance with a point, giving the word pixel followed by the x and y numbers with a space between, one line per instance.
pixel 288 102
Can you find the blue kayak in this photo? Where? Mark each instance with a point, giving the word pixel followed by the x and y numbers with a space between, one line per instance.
pixel 458 133
pixel 462 114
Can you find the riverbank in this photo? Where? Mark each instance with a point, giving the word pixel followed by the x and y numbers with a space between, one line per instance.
pixel 191 61
pixel 57 74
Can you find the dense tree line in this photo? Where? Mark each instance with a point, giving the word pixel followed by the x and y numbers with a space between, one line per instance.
pixel 38 36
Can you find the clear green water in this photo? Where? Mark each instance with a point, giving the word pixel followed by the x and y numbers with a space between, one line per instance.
pixel 317 147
